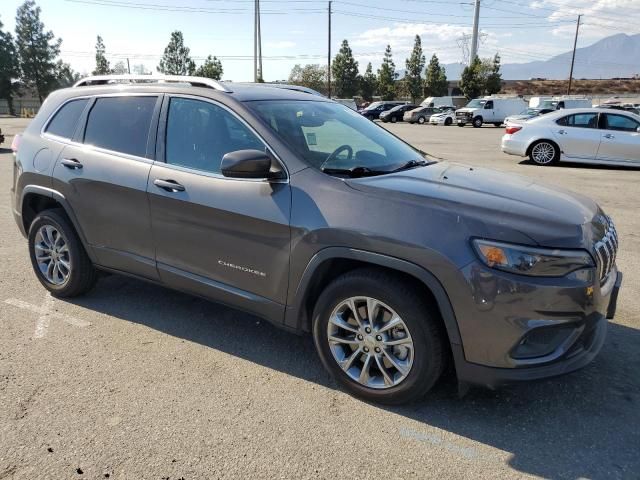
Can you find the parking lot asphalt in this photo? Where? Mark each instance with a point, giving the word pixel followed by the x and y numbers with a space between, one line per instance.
pixel 134 381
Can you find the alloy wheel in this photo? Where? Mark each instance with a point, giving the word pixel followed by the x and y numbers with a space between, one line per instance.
pixel 370 342
pixel 52 255
pixel 543 153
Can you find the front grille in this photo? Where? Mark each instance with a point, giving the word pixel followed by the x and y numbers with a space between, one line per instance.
pixel 462 114
pixel 606 250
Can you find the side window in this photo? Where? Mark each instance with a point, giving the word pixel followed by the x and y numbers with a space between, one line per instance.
pixel 582 120
pixel 488 105
pixel 200 133
pixel 65 121
pixel 120 124
pixel 621 123
pixel 564 121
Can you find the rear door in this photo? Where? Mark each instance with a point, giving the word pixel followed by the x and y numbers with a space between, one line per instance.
pixel 223 238
pixel 103 175
pixel 620 138
pixel 578 135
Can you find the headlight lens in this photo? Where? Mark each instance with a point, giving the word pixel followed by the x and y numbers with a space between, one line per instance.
pixel 532 261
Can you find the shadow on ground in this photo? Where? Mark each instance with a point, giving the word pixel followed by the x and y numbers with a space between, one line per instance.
pixel 584 425
pixel 587 166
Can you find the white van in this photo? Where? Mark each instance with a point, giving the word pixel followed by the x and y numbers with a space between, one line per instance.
pixel 492 109
pixel 455 102
pixel 536 102
pixel 567 101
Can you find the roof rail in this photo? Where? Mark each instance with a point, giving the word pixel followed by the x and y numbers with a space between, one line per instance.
pixel 111 79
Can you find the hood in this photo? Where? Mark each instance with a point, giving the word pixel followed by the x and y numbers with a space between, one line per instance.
pixel 495 203
pixel 467 110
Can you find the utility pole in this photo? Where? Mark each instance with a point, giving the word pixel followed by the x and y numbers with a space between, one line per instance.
pixel 128 67
pixel 329 55
pixel 573 57
pixel 260 77
pixel 255 40
pixel 474 40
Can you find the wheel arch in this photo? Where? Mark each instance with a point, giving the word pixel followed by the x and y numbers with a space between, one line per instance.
pixel 334 261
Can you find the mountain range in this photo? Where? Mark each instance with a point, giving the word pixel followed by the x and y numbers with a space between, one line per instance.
pixel 611 57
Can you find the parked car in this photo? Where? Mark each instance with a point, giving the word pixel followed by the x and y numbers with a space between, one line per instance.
pixel 536 102
pixel 396 114
pixel 1 137
pixel 593 135
pixel 291 207
pixel 446 117
pixel 455 102
pixel 527 114
pixel 420 115
pixel 374 110
pixel 491 109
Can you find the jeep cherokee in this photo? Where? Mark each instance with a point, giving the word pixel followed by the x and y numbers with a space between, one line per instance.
pixel 299 210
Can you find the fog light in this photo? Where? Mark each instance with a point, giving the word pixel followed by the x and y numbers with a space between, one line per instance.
pixel 541 341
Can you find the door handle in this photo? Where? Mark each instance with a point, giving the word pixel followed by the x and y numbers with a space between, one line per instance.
pixel 169 185
pixel 608 135
pixel 71 163
pixel 562 132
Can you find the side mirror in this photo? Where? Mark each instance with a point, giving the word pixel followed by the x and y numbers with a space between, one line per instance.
pixel 248 164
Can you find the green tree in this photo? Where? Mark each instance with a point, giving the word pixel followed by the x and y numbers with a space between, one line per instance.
pixel 102 64
pixel 435 84
pixel 493 81
pixel 415 65
pixel 211 68
pixel 176 59
pixel 9 69
pixel 311 76
pixel 471 81
pixel 387 76
pixel 37 50
pixel 368 83
pixel 345 72
pixel 65 75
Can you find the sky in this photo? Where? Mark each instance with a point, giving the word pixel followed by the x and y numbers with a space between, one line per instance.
pixel 295 31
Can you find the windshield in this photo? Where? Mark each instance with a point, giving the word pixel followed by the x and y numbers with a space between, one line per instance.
pixel 477 103
pixel 373 106
pixel 398 108
pixel 330 135
pixel 552 104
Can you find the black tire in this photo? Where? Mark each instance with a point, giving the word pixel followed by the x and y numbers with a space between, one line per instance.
pixel 421 120
pixel 461 124
pixel 477 122
pixel 420 317
pixel 394 119
pixel 497 124
pixel 448 121
pixel 82 275
pixel 551 158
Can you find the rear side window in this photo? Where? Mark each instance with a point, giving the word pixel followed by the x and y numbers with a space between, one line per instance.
pixel 120 124
pixel 65 121
pixel 579 120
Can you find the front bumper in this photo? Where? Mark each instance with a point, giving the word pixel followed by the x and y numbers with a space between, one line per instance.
pixel 577 351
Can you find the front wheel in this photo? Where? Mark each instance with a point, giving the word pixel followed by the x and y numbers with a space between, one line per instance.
pixel 378 337
pixel 544 153
pixel 461 124
pixel 58 257
pixel 448 121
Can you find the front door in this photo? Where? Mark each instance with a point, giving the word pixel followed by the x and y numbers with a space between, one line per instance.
pixel 223 238
pixel 620 139
pixel 103 175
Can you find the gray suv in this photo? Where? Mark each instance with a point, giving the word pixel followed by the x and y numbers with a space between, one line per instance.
pixel 299 210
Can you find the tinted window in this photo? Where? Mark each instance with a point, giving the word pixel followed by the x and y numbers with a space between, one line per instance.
pixel 579 120
pixel 200 133
pixel 620 122
pixel 488 105
pixel 120 124
pixel 65 121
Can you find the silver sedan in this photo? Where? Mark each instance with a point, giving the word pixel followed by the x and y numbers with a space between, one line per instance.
pixel 588 135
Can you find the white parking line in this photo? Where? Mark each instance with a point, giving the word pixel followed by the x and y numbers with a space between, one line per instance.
pixel 46 315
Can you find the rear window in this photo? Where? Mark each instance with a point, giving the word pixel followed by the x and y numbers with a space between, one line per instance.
pixel 65 121
pixel 120 124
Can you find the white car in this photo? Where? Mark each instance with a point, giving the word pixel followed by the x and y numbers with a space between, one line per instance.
pixel 586 135
pixel 445 118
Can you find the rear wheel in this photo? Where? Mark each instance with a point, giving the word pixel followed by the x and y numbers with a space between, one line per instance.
pixel 544 152
pixel 394 119
pixel 58 257
pixel 461 124
pixel 497 124
pixel 421 120
pixel 477 122
pixel 378 337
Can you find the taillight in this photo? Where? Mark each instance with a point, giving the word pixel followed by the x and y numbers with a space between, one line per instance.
pixel 512 130
pixel 15 143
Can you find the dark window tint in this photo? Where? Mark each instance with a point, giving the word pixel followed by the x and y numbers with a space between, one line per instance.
pixel 65 121
pixel 620 123
pixel 200 133
pixel 579 120
pixel 488 105
pixel 120 124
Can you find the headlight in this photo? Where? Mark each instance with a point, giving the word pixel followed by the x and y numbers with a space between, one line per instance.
pixel 541 262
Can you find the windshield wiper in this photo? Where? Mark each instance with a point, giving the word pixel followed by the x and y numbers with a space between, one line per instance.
pixel 354 172
pixel 411 164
